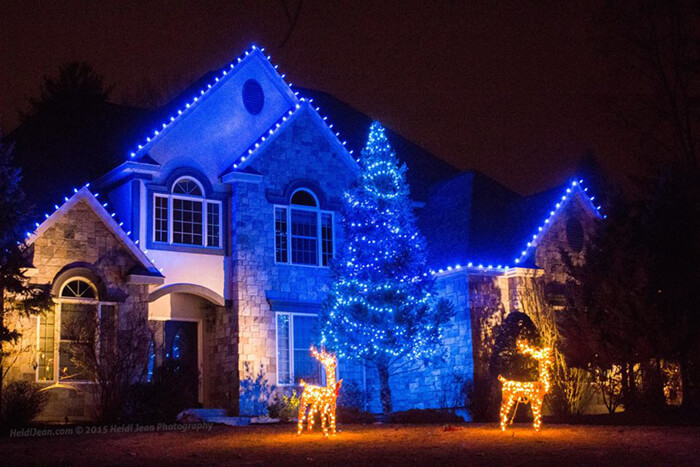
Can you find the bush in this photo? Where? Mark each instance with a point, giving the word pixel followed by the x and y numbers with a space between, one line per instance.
pixel 255 392
pixel 21 402
pixel 170 392
pixel 285 408
pixel 353 415
pixel 352 396
pixel 425 416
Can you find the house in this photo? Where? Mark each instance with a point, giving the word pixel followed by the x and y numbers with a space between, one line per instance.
pixel 221 224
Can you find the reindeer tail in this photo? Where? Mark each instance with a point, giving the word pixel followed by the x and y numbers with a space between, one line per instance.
pixel 501 379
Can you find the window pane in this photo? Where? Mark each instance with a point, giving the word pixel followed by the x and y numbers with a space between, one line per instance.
pixel 213 223
pixel 108 329
pixel 306 367
pixel 281 235
pixel 47 326
pixel 77 333
pixel 78 289
pixel 187 187
pixel 187 222
pixel 283 373
pixel 304 198
pixel 326 238
pixel 161 219
pixel 304 237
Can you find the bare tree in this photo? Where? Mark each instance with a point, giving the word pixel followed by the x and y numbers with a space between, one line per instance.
pixel 571 387
pixel 110 351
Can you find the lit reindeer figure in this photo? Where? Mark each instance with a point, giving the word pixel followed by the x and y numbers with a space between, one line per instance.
pixel 527 391
pixel 321 399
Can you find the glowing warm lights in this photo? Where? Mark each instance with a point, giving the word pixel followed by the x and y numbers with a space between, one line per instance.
pixel 531 392
pixel 320 399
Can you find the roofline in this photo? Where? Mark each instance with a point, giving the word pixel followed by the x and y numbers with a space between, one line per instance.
pixel 124 169
pixel 574 188
pixel 207 91
pixel 84 194
pixel 304 105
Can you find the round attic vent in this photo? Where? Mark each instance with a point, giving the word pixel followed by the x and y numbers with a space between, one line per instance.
pixel 253 96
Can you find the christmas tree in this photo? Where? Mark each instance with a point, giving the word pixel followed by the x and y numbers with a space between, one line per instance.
pixel 380 308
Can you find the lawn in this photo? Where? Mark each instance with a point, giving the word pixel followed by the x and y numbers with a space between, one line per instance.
pixel 416 445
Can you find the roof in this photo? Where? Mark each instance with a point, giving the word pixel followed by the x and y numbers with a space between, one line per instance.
pixel 473 221
pixel 100 138
pixel 147 268
pixel 424 169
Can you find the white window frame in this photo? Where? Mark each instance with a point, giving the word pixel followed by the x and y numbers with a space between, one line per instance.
pixel 58 301
pixel 319 233
pixel 291 316
pixel 205 224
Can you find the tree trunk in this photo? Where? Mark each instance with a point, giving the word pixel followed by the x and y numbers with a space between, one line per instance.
pixel 385 389
pixel 687 401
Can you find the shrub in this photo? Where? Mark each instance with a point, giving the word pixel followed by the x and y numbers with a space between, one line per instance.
pixel 21 402
pixel 352 395
pixel 425 416
pixel 285 408
pixel 255 392
pixel 354 415
pixel 170 392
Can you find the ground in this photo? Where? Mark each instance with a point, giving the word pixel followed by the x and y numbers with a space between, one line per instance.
pixel 367 445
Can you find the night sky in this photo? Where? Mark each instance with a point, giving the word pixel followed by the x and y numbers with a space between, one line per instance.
pixel 516 89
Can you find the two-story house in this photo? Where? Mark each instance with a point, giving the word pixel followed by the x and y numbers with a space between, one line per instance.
pixel 222 223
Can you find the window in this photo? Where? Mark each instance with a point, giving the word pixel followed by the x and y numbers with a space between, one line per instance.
pixel 185 217
pixel 77 313
pixel 303 233
pixel 295 334
pixel 574 234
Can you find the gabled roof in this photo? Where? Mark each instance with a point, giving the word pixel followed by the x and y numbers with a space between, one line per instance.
pixel 102 140
pixel 424 169
pixel 471 221
pixel 85 195
pixel 304 106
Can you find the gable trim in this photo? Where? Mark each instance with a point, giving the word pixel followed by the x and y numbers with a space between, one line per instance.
pixel 209 90
pixel 84 194
pixel 304 106
pixel 575 188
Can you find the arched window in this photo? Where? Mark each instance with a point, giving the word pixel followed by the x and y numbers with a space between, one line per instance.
pixel 76 325
pixel 186 217
pixel 187 186
pixel 303 232
pixel 78 288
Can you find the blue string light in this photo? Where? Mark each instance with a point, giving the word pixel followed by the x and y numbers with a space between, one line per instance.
pixel 575 187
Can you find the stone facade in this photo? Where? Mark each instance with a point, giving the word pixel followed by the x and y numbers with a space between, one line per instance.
pixel 301 157
pixel 80 240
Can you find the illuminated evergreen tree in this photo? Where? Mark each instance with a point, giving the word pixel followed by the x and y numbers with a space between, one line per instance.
pixel 380 308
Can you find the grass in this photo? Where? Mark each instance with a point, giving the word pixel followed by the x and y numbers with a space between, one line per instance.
pixel 480 444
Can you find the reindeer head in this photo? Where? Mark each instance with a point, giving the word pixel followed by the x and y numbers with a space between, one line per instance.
pixel 327 359
pixel 542 355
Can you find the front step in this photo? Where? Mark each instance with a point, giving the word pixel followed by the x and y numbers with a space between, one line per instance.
pixel 218 416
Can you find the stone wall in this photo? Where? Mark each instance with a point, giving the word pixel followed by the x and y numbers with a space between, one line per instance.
pixel 78 238
pixel 300 154
pixel 442 383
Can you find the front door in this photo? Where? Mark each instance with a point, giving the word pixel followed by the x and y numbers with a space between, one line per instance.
pixel 176 356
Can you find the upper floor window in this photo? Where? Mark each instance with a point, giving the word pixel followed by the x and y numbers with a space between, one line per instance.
pixel 303 233
pixel 185 217
pixel 78 323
